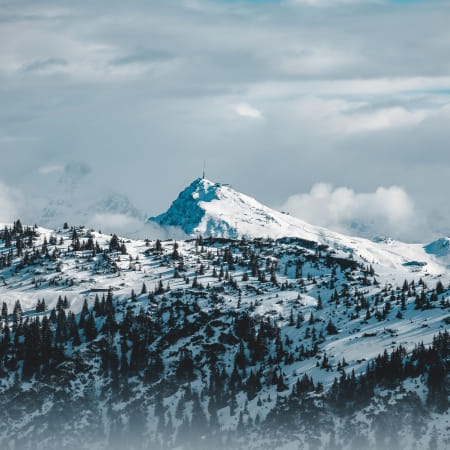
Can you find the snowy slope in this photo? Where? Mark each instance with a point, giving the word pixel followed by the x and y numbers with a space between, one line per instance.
pixel 76 275
pixel 213 209
pixel 80 275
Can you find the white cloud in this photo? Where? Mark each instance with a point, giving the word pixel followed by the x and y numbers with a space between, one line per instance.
pixel 132 227
pixel 10 202
pixel 45 170
pixel 50 53
pixel 388 210
pixel 348 116
pixel 115 223
pixel 245 110
pixel 381 119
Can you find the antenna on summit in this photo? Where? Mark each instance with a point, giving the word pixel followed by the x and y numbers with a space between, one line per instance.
pixel 204 169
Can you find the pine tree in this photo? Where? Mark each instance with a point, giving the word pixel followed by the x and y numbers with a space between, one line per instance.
pixel 83 314
pixel 97 306
pixel 281 386
pixel 331 328
pixel 18 228
pixel 114 244
pixel 17 314
pixel 90 330
pixel 5 312
pixel 59 304
pixel 291 318
pixel 61 330
pixel 175 253
pixel 319 303
pixel 110 324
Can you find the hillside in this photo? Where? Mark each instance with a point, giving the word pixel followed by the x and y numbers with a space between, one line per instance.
pixel 217 343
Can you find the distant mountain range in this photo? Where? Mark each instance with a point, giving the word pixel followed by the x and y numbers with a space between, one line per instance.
pixel 63 209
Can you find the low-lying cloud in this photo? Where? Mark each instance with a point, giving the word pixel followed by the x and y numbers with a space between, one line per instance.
pixel 388 211
pixel 132 227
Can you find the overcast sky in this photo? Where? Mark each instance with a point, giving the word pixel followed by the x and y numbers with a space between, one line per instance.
pixel 335 110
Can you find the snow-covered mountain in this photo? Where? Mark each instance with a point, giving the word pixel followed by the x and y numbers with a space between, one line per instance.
pixel 309 339
pixel 208 344
pixel 213 209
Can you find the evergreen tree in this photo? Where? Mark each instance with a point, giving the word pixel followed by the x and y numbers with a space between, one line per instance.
pixel 5 312
pixel 90 330
pixel 114 244
pixel 83 314
pixel 17 314
pixel 331 328
pixel 319 303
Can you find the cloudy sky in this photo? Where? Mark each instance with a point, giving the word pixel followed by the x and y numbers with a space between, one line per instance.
pixel 337 111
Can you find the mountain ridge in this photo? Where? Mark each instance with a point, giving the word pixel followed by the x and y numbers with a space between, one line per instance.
pixel 214 209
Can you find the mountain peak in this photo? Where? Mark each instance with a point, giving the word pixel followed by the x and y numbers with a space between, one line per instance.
pixel 191 209
pixel 216 209
pixel 202 181
pixel 202 189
